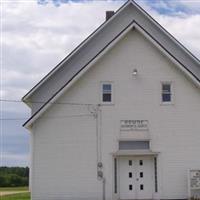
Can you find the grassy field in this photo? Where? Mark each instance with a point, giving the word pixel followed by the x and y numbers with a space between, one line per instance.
pixel 10 189
pixel 22 196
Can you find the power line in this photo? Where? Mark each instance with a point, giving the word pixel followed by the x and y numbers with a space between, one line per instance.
pixel 12 119
pixel 40 102
pixel 51 117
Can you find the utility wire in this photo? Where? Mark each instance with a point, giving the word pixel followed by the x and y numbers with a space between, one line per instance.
pixel 39 102
pixel 52 117
pixel 12 119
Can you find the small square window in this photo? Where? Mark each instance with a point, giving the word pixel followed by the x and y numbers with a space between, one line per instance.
pixel 130 162
pixel 130 175
pixel 107 95
pixel 141 174
pixel 166 92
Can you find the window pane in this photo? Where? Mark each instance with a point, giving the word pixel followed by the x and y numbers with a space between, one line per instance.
pixel 127 145
pixel 166 97
pixel 130 187
pixel 142 187
pixel 107 92
pixel 166 88
pixel 107 87
pixel 141 162
pixel 106 97
pixel 166 92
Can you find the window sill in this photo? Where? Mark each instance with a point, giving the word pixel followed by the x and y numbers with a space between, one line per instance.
pixel 167 103
pixel 107 104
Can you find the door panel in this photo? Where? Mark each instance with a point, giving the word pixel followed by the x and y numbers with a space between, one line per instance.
pixel 127 178
pixel 136 177
pixel 144 178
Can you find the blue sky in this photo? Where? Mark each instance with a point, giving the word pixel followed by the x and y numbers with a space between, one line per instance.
pixel 174 7
pixel 161 6
pixel 36 35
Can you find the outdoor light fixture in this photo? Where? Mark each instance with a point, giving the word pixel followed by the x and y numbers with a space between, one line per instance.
pixel 135 72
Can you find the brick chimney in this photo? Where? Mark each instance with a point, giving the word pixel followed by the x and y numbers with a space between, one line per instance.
pixel 109 14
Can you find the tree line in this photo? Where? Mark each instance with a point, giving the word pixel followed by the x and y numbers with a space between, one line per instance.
pixel 14 176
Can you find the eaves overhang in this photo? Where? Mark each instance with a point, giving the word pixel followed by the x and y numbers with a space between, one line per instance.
pixel 124 153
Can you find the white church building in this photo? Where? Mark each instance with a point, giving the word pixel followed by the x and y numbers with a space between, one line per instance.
pixel 119 117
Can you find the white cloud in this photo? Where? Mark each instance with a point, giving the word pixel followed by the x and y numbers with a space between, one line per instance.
pixel 183 26
pixel 36 38
pixel 185 29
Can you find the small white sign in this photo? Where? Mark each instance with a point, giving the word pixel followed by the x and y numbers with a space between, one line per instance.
pixel 131 125
pixel 194 183
pixel 195 179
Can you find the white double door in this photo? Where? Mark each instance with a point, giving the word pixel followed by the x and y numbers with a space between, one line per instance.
pixel 136 177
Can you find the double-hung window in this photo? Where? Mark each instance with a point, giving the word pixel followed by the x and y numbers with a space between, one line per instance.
pixel 166 92
pixel 107 92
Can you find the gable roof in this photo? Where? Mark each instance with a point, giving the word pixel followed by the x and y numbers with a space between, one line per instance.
pixel 77 63
pixel 26 96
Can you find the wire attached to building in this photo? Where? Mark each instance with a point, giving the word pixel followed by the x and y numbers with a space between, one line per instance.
pixel 51 117
pixel 39 102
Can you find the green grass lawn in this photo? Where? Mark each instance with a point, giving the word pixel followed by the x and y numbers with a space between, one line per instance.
pixel 22 196
pixel 10 189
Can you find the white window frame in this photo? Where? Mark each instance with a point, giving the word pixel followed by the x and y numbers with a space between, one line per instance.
pixel 172 93
pixel 112 92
